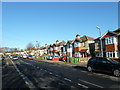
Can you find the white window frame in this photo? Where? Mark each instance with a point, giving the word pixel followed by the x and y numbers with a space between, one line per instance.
pixel 109 54
pixel 77 44
pixel 110 40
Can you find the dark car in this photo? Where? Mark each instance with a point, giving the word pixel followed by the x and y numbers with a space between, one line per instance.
pixel 104 65
pixel 63 58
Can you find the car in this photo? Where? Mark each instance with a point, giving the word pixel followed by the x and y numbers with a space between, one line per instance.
pixel 104 65
pixel 50 57
pixel 24 56
pixel 15 57
pixel 63 58
pixel 30 57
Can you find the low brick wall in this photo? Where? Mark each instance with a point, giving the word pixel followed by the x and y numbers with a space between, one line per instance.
pixel 55 59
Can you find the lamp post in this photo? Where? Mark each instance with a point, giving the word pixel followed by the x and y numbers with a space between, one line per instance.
pixel 100 41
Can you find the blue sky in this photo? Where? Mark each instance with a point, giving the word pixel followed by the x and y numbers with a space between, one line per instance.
pixel 46 22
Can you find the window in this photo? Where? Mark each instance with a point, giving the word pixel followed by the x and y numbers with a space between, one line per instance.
pixel 93 59
pixel 110 40
pixel 84 44
pixel 77 44
pixel 111 54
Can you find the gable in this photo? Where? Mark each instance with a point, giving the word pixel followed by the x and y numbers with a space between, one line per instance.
pixel 108 34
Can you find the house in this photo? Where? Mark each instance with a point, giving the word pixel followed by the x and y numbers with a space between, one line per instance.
pixel 97 47
pixel 56 49
pixel 81 46
pixel 50 50
pixel 112 44
pixel 70 48
pixel 61 47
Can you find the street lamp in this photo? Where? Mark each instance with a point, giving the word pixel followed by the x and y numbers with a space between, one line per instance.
pixel 100 41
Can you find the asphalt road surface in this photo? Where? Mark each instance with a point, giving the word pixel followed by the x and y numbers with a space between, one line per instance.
pixel 39 74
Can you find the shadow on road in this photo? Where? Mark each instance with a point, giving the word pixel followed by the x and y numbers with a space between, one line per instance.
pixel 80 68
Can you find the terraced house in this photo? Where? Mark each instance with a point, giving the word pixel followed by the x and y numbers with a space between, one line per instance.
pixel 112 44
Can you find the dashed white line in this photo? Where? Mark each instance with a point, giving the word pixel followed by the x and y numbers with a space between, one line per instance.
pixel 92 84
pixel 50 73
pixel 25 78
pixel 82 85
pixel 56 75
pixel 67 79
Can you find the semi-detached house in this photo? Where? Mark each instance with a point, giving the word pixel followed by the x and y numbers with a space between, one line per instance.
pixel 81 46
pixel 112 44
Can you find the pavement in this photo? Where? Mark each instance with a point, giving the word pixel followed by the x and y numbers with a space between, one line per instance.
pixel 82 63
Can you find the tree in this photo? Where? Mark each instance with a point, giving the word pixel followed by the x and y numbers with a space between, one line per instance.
pixel 30 46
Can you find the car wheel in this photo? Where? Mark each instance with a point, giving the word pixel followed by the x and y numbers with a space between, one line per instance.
pixel 89 68
pixel 116 72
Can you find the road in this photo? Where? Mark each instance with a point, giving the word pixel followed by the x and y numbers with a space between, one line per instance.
pixel 41 74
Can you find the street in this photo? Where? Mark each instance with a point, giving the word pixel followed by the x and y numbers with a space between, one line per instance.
pixel 42 74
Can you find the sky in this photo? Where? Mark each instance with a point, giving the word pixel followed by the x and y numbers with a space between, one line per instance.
pixel 46 22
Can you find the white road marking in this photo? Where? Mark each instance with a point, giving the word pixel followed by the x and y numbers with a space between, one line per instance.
pixel 56 75
pixel 50 73
pixel 92 84
pixel 25 78
pixel 82 85
pixel 67 79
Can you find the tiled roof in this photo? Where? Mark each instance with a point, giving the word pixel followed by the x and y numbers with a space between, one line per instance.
pixel 84 38
pixel 70 41
pixel 117 31
pixel 62 43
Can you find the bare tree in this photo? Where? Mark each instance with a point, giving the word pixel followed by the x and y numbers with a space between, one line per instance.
pixel 30 46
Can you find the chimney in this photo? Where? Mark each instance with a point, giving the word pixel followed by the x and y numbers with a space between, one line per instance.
pixel 77 36
pixel 57 41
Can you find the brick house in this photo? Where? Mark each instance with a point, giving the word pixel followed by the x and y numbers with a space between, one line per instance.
pixel 112 44
pixel 81 46
pixel 61 47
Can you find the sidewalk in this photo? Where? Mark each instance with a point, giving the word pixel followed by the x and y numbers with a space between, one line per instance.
pixel 82 63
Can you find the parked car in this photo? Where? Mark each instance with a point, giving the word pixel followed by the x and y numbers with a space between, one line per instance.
pixel 11 56
pixel 50 57
pixel 30 57
pixel 104 64
pixel 24 56
pixel 15 57
pixel 63 58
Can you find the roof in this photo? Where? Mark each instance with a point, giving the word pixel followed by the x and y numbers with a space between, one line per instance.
pixel 62 43
pixel 83 50
pixel 115 33
pixel 84 38
pixel 117 30
pixel 97 38
pixel 70 41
